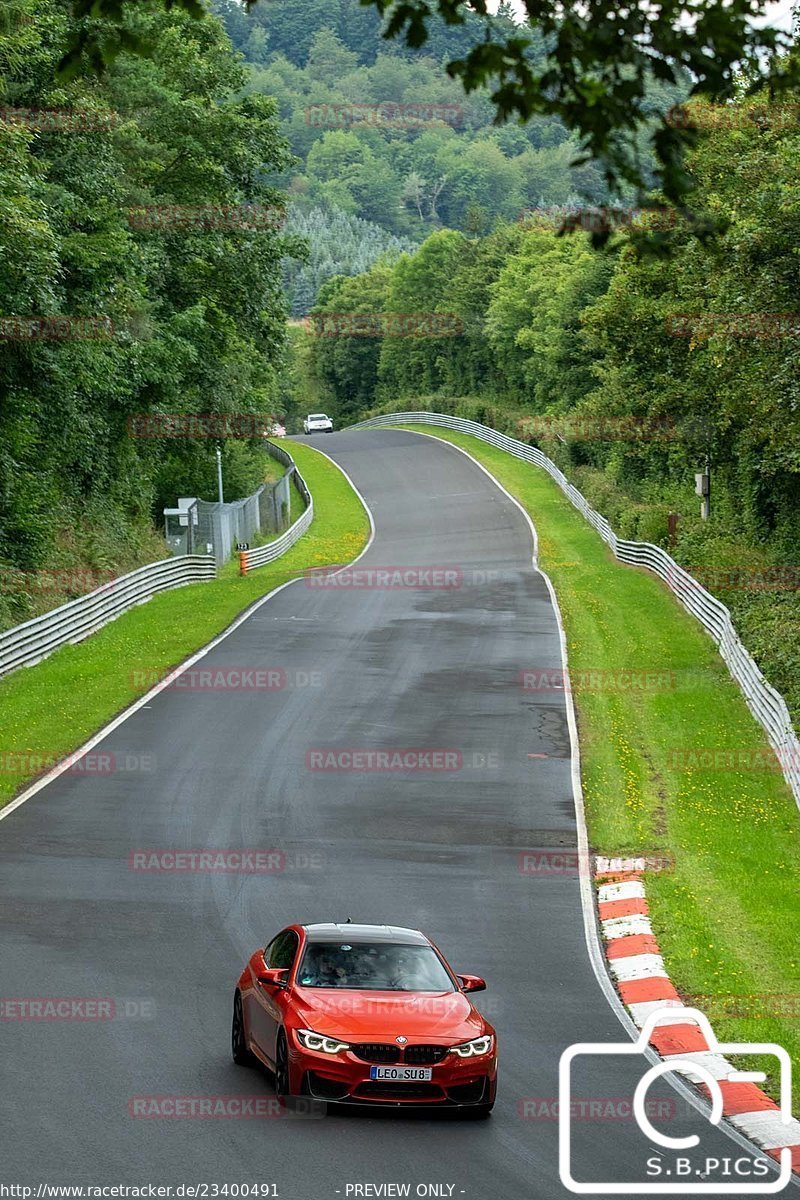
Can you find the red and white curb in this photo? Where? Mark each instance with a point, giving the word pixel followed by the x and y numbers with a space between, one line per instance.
pixel 641 978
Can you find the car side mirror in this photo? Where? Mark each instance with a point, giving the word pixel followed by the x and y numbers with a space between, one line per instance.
pixel 272 977
pixel 472 983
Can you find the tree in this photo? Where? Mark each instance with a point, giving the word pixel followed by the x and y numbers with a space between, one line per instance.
pixel 594 77
pixel 479 175
pixel 342 367
pixel 410 357
pixel 191 316
pixel 329 59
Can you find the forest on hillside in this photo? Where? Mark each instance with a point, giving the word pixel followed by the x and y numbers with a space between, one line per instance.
pixel 103 183
pixel 379 216
pixel 632 371
pixel 383 134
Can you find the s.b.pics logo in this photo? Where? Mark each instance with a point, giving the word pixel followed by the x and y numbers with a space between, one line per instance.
pixel 676 1162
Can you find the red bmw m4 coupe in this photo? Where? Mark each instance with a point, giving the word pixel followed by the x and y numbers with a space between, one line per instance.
pixel 365 1014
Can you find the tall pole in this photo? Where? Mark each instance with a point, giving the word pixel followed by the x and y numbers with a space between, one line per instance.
pixel 219 476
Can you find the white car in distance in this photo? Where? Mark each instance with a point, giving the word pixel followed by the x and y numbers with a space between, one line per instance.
pixel 317 423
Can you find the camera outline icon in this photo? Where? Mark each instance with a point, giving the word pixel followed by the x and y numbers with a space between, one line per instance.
pixel 665 1067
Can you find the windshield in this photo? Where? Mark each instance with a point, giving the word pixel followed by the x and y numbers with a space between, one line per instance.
pixel 318 417
pixel 373 967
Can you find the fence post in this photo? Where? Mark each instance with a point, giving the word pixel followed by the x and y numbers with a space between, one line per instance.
pixel 242 562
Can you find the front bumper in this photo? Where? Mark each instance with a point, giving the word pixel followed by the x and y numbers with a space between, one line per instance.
pixel 345 1079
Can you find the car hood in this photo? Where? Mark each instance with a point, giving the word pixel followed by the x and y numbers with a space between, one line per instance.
pixel 446 1017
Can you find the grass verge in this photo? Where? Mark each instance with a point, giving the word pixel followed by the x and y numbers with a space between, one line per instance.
pixel 727 917
pixel 52 708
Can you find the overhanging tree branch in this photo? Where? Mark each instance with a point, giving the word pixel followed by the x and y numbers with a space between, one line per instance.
pixel 601 56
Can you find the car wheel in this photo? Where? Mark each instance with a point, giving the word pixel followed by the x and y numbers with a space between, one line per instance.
pixel 241 1055
pixel 281 1067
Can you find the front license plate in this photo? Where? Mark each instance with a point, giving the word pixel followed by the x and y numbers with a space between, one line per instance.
pixel 401 1074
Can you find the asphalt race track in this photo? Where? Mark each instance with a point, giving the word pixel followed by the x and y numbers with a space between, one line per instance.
pixel 411 667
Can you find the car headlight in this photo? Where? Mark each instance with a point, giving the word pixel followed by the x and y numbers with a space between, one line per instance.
pixel 481 1045
pixel 318 1041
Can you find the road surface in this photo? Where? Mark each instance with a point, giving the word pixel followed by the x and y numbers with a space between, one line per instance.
pixel 410 667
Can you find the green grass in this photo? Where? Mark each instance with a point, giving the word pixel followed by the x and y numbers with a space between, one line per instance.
pixel 52 708
pixel 727 918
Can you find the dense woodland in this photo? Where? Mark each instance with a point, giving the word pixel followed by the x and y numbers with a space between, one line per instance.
pixel 407 218
pixel 352 107
pixel 198 313
pixel 338 243
pixel 556 335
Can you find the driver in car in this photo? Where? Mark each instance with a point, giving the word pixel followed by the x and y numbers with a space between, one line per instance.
pixel 330 972
pixel 402 971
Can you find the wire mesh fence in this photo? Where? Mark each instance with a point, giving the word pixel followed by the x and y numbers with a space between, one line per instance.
pixel 205 527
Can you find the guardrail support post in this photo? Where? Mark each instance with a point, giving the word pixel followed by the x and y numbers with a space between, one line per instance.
pixel 242 562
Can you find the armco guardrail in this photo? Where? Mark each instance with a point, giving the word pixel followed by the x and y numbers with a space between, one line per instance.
pixel 72 622
pixel 766 704
pixel 27 644
pixel 249 559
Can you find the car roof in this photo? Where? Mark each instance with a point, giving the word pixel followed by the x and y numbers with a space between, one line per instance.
pixel 332 932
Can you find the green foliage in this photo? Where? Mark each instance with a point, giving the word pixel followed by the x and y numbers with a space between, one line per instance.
pixel 339 244
pixel 601 58
pixel 559 338
pixel 197 312
pixel 409 361
pixel 343 371
pixel 589 63
pixel 397 166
